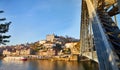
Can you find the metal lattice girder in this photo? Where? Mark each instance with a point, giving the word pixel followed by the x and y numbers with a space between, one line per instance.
pixel 104 49
pixel 118 2
pixel 110 1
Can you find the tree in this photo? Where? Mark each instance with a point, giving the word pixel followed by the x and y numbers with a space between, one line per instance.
pixel 4 27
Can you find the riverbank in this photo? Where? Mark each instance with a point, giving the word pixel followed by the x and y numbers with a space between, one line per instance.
pixel 1 57
pixel 54 58
pixel 66 58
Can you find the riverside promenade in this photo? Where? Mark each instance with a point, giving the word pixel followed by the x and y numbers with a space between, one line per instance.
pixel 52 58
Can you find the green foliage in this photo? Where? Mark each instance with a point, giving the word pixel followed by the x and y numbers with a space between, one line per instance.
pixel 1 11
pixel 57 47
pixel 66 51
pixel 4 27
pixel 36 49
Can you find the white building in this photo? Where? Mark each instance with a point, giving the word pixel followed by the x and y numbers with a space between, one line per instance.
pixel 49 45
pixel 42 41
pixel 6 52
pixel 70 45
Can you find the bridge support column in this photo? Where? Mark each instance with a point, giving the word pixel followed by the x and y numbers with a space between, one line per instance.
pixel 118 1
pixel 103 47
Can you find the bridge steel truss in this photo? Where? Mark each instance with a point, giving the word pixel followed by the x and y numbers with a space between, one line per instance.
pixel 100 33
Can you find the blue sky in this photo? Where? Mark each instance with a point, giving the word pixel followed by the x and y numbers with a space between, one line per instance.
pixel 32 20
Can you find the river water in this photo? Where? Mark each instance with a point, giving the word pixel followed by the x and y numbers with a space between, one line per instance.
pixel 47 65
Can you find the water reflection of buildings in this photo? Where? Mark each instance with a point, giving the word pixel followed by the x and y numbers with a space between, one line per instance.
pixel 60 65
pixel 47 65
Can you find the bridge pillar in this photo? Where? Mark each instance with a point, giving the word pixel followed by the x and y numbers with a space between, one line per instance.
pixel 103 47
pixel 118 1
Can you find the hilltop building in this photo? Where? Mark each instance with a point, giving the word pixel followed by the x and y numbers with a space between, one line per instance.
pixel 52 38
